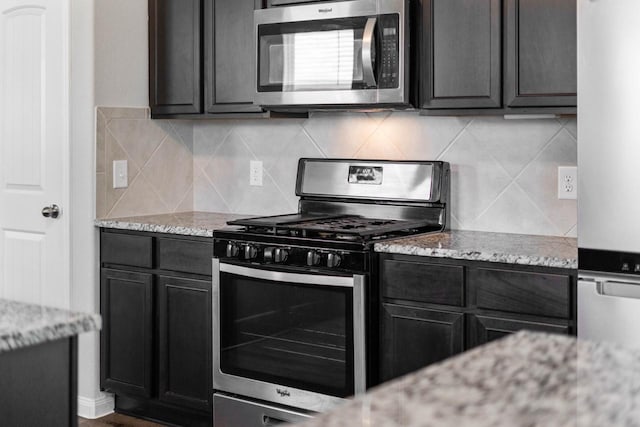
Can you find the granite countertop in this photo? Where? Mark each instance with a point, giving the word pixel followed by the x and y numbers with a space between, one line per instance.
pixel 544 251
pixel 23 325
pixel 526 379
pixel 185 223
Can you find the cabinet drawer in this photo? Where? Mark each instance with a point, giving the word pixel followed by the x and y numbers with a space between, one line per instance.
pixel 430 283
pixel 521 292
pixel 188 256
pixel 483 329
pixel 126 249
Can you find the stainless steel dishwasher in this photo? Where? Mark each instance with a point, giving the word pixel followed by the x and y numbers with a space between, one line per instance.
pixel 609 308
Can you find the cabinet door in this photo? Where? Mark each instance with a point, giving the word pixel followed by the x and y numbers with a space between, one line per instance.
pixel 413 337
pixel 184 307
pixel 175 64
pixel 483 329
pixel 461 54
pixel 126 339
pixel 540 53
pixel 229 56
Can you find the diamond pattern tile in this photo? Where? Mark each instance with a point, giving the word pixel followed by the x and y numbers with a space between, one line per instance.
pixel 266 139
pixel 420 138
pixel 476 178
pixel 228 171
pixel 503 171
pixel 540 177
pixel 513 143
pixel 340 135
pixel 514 212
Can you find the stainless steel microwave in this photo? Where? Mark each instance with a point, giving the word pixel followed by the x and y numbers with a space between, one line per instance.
pixel 348 54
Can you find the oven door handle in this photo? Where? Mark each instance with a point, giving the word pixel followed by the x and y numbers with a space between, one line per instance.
pixel 279 276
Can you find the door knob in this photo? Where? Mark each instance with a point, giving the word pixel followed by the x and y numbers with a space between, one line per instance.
pixel 52 211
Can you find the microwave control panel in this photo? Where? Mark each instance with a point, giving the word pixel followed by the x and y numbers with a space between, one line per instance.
pixel 389 66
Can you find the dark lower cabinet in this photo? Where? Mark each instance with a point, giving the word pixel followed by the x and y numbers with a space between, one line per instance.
pixel 184 313
pixel 126 301
pixel 156 341
pixel 413 337
pixel 418 326
pixel 39 385
pixel 482 329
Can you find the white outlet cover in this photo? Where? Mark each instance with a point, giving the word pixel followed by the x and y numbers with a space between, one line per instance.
pixel 120 174
pixel 255 172
pixel 567 182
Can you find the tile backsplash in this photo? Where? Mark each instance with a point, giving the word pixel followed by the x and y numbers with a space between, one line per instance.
pixel 159 156
pixel 504 172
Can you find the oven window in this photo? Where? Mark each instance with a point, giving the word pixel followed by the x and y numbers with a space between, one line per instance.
pixel 288 334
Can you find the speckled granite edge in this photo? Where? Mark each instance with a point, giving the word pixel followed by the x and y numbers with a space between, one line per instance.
pixel 542 251
pixel 154 228
pixel 525 379
pixel 23 325
pixel 541 261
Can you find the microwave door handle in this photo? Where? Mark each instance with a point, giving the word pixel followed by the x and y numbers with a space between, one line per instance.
pixel 367 59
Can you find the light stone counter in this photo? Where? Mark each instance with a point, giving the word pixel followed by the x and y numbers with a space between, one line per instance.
pixel 184 223
pixel 23 325
pixel 527 379
pixel 544 251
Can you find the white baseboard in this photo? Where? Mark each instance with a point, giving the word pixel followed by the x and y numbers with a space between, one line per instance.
pixel 95 408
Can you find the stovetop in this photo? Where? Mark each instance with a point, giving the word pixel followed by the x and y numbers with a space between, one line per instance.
pixel 331 227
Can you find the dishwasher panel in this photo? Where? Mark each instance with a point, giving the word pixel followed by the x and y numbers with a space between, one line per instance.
pixel 609 309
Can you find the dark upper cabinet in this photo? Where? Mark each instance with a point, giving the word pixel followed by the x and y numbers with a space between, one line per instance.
pixel 229 56
pixel 175 59
pixel 540 57
pixel 497 56
pixel 184 312
pixel 126 301
pixel 201 57
pixel 414 337
pixel 461 57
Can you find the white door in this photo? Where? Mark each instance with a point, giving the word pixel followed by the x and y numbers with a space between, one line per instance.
pixel 34 151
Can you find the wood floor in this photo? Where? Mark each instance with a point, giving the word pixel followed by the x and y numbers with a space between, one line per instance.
pixel 116 420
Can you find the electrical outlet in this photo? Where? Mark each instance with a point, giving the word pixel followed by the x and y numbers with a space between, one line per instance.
pixel 120 174
pixel 567 182
pixel 255 172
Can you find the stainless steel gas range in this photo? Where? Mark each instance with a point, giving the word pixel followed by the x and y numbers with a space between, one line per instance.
pixel 295 306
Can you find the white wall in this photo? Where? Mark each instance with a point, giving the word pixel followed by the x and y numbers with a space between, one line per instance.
pixel 84 277
pixel 121 53
pixel 108 67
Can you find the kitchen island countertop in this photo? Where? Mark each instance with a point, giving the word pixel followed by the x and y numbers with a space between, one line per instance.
pixel 543 251
pixel 23 325
pixel 184 223
pixel 526 379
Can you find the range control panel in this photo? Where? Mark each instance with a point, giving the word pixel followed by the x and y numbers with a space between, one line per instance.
pixel 290 255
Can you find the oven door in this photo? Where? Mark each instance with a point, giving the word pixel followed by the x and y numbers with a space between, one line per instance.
pixel 292 338
pixel 344 53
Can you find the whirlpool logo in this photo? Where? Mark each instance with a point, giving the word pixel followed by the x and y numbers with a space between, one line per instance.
pixel 283 393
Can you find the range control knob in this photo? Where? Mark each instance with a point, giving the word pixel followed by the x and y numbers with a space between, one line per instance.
pixel 250 252
pixel 280 255
pixel 313 258
pixel 333 260
pixel 232 250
